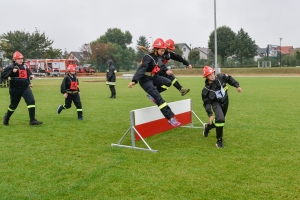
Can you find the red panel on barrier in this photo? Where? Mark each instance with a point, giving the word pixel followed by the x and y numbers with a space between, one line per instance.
pixel 161 125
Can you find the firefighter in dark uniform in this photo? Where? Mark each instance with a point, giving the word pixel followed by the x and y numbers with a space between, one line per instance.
pixel 215 100
pixel 3 80
pixel 19 74
pixel 70 90
pixel 169 54
pixel 148 78
pixel 111 78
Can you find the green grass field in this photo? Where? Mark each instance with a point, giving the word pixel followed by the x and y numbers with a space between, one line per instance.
pixel 69 159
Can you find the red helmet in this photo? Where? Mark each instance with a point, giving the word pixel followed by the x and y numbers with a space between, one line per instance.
pixel 207 70
pixel 170 44
pixel 71 68
pixel 17 55
pixel 159 44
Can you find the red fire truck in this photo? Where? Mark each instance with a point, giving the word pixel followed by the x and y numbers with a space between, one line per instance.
pixel 51 67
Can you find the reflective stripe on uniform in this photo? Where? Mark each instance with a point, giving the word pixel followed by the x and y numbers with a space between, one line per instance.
pixel 31 106
pixel 11 110
pixel 162 105
pixel 218 124
pixel 165 87
pixel 225 88
pixel 148 74
pixel 174 81
pixel 110 83
pixel 79 109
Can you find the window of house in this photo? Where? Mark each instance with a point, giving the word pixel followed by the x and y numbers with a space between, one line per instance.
pixel 184 49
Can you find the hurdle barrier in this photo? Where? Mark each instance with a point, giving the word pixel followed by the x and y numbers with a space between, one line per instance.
pixel 149 121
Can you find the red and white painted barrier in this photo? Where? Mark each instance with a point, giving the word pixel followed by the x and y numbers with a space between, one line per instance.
pixel 149 121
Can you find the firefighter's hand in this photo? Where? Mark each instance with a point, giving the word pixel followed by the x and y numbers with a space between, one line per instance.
pixel 169 72
pixel 15 70
pixel 239 89
pixel 131 84
pixel 30 85
pixel 211 119
pixel 79 93
pixel 65 95
pixel 190 66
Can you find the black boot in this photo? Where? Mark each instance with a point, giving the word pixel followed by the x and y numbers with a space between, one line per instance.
pixel 113 91
pixel 219 131
pixel 5 120
pixel 35 122
pixel 219 143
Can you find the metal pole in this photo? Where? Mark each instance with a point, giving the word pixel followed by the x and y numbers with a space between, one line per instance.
pixel 216 53
pixel 280 52
pixel 97 60
pixel 191 55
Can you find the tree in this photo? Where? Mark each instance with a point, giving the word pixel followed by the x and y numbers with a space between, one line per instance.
pixel 142 41
pixel 178 50
pixel 225 40
pixel 31 45
pixel 113 45
pixel 116 36
pixel 101 53
pixel 87 52
pixel 65 55
pixel 86 48
pixel 297 55
pixel 123 58
pixel 244 46
pixel 194 56
pixel 52 53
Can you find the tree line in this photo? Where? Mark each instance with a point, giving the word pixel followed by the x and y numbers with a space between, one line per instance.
pixel 114 45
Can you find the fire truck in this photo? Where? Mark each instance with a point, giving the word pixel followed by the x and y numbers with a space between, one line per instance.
pixel 50 67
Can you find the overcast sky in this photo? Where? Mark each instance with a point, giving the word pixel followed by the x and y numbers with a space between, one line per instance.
pixel 72 23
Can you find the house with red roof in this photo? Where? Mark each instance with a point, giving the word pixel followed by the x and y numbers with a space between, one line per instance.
pixel 284 49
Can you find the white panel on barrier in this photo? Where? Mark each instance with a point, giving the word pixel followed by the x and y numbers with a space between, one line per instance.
pixel 147 115
pixel 153 113
pixel 181 106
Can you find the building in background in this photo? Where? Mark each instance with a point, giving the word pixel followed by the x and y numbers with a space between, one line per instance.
pixel 80 56
pixel 185 49
pixel 285 49
pixel 261 53
pixel 203 52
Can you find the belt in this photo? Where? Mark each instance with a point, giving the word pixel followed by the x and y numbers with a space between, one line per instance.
pixel 72 92
pixel 149 74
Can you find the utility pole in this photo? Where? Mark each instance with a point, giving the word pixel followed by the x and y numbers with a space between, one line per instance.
pixel 98 67
pixel 280 52
pixel 216 46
